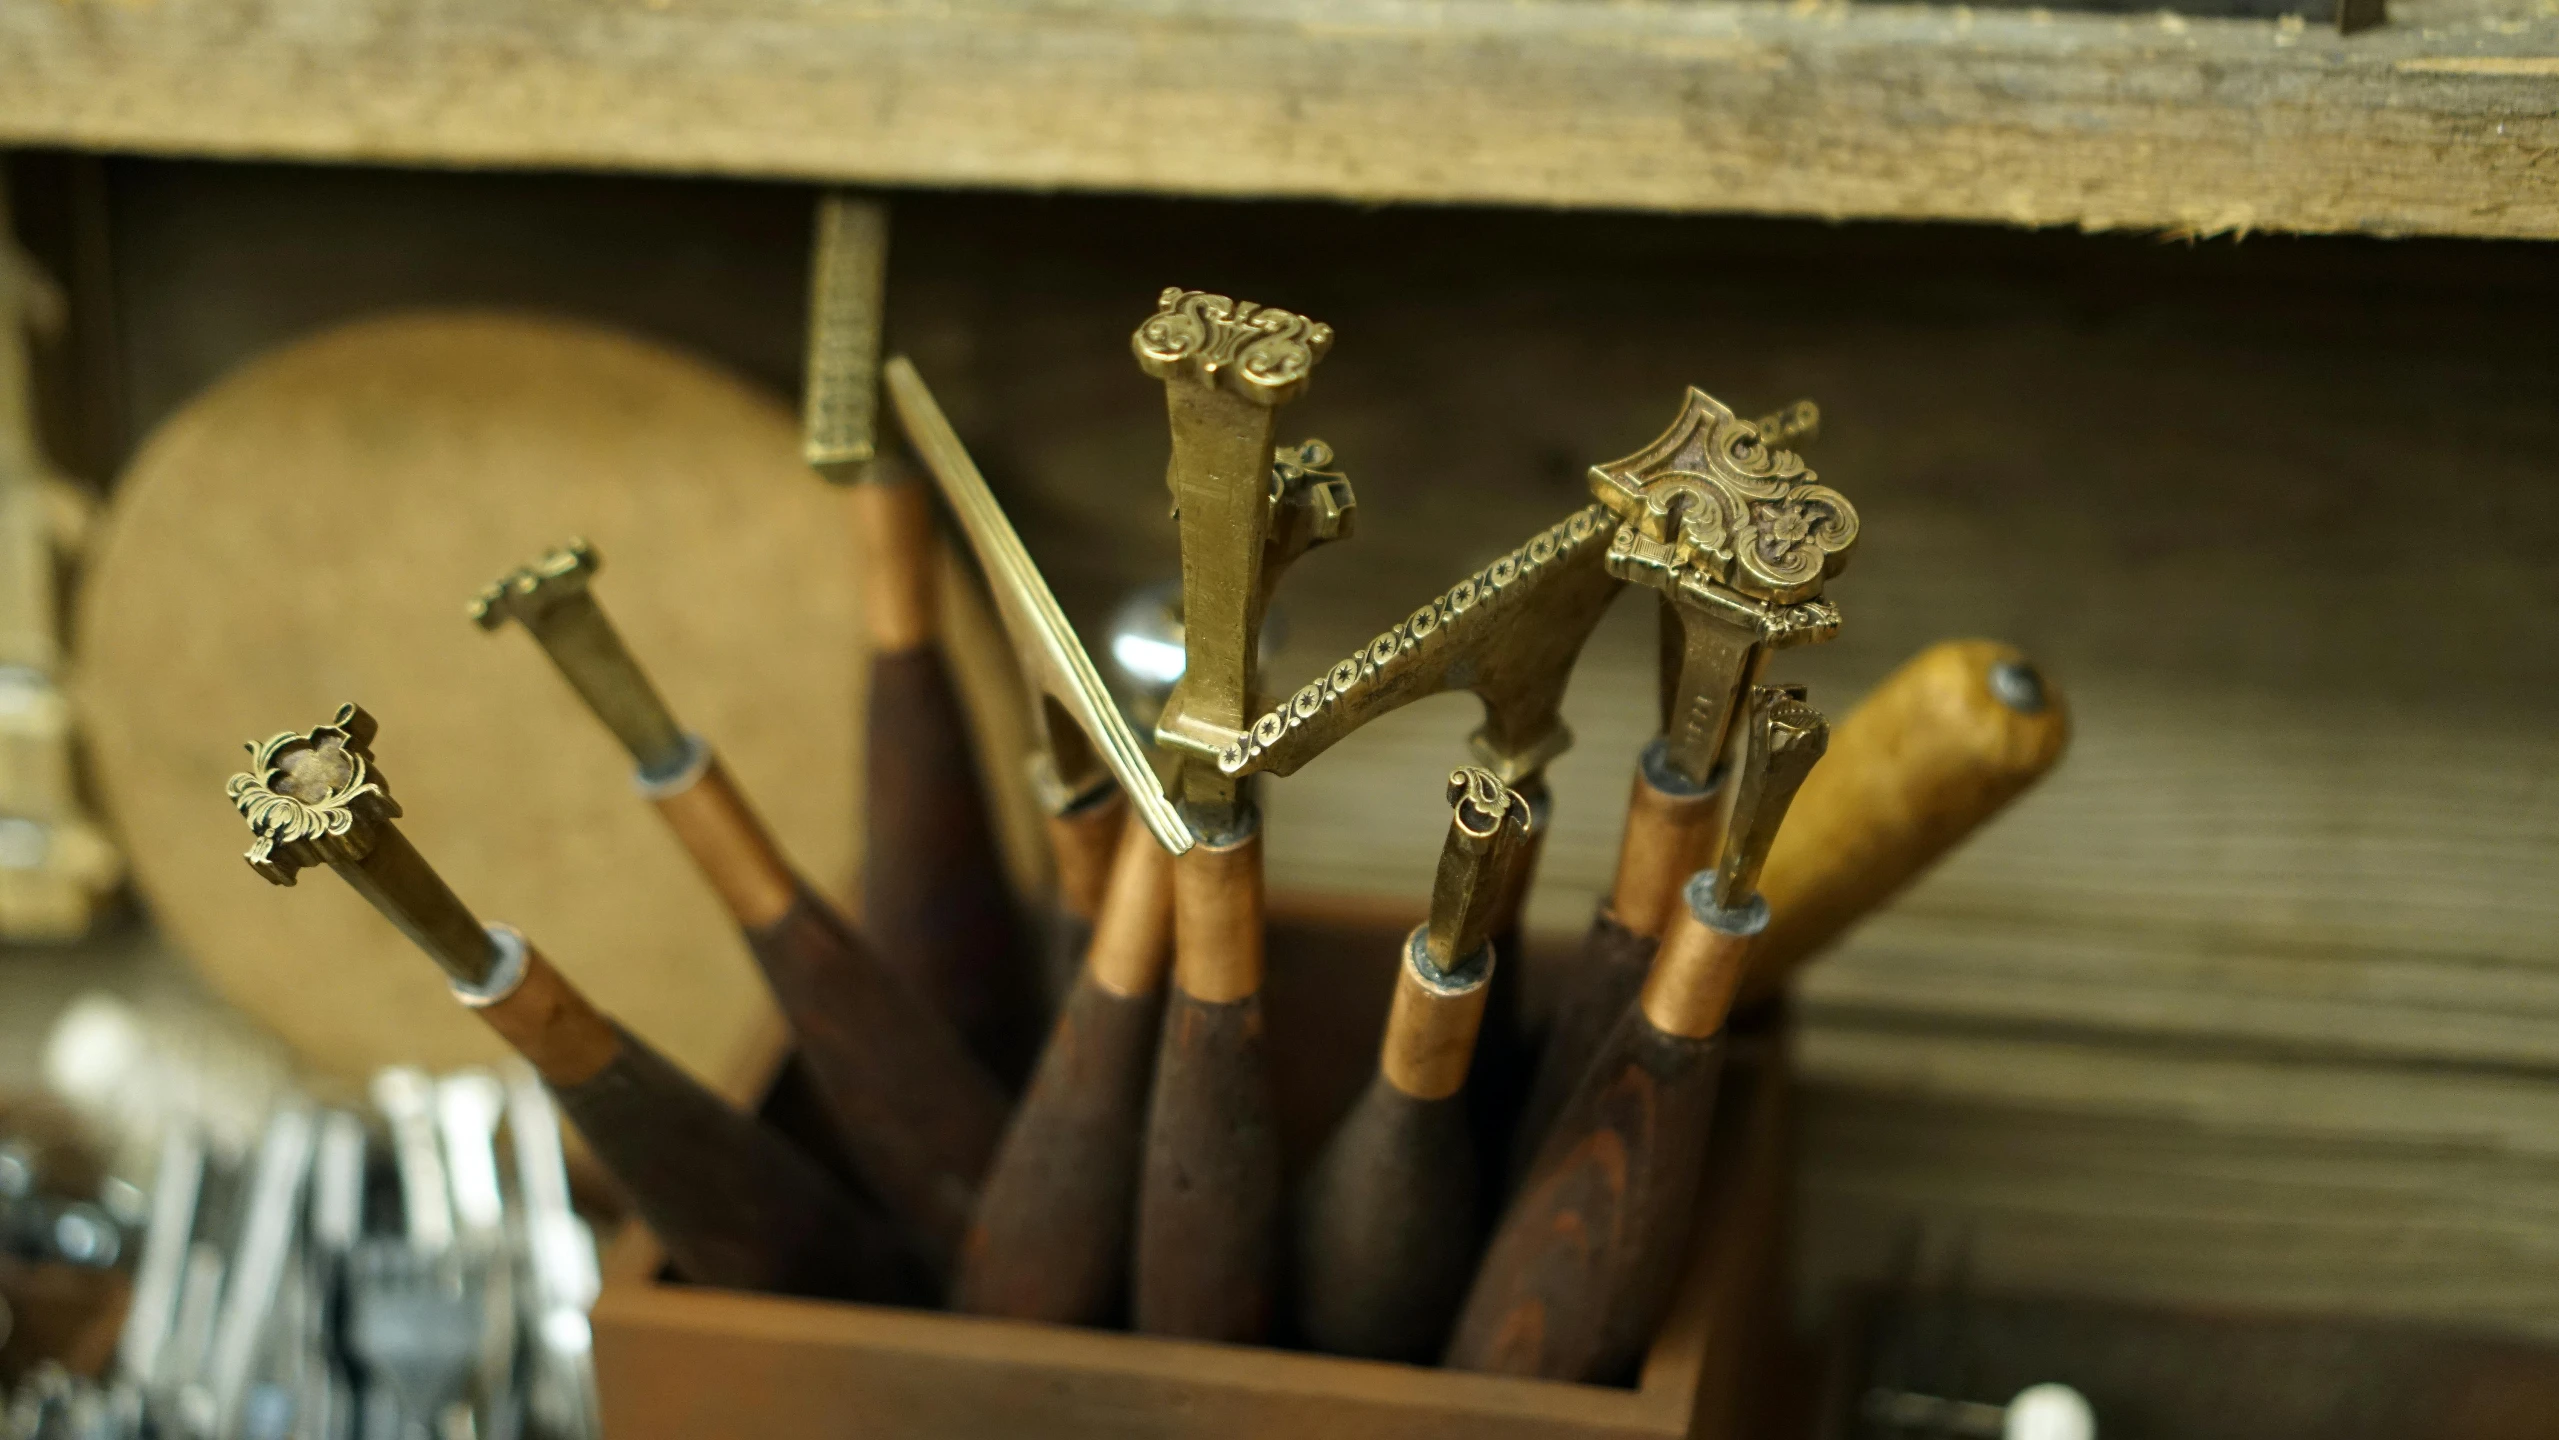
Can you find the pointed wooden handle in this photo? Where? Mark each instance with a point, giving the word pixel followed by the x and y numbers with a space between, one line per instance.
pixel 1051 1239
pixel 1943 744
pixel 916 1112
pixel 1208 1205
pixel 734 1204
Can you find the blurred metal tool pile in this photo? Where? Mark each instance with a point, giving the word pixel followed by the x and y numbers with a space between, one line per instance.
pixel 414 1274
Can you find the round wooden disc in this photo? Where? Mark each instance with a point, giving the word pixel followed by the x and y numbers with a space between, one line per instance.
pixel 310 530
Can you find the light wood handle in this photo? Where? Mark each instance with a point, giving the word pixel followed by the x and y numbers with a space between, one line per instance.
pixel 1939 747
pixel 1082 841
pixel 728 843
pixel 1670 835
pixel 893 535
pixel 1217 920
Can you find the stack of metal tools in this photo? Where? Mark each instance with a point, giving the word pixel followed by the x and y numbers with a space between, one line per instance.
pixel 416 1272
pixel 1501 1197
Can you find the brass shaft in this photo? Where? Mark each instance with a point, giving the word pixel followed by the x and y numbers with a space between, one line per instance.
pixel 1478 863
pixel 1220 474
pixel 589 652
pixel 399 883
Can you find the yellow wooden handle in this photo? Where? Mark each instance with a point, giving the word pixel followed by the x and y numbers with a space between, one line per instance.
pixel 1938 748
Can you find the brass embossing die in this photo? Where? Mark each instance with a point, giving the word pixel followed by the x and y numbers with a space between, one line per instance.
pixel 319 799
pixel 1226 365
pixel 1739 536
pixel 315 799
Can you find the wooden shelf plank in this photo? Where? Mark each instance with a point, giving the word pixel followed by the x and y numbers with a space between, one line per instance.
pixel 2440 123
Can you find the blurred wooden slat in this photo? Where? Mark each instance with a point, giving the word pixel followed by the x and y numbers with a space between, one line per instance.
pixel 2432 124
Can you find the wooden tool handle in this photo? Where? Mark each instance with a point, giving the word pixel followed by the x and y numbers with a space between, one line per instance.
pixel 1387 1227
pixel 735 1204
pixel 1584 1260
pixel 728 842
pixel 916 1112
pixel 1940 746
pixel 1388 1220
pixel 1601 983
pixel 1051 1240
pixel 1209 1195
pixel 933 889
pixel 1081 842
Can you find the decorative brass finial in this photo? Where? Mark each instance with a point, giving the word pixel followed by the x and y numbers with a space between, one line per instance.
pixel 525 593
pixel 1260 352
pixel 314 799
pixel 1732 507
pixel 1487 823
pixel 1782 739
pixel 1740 537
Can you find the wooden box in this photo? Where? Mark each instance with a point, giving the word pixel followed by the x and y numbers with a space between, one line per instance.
pixel 686 1363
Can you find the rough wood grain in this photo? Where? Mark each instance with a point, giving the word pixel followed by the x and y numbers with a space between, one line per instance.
pixel 1585 1261
pixel 1591 995
pixel 2438 123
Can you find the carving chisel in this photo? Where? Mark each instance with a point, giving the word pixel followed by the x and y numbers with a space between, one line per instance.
pixel 1585 1258
pixel 734 1204
pixel 1208 1195
pixel 1051 1239
pixel 915 1111
pixel 934 898
pixel 1388 1221
pixel 1738 537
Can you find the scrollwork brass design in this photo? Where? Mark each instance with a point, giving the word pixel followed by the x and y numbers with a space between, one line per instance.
pixel 1740 510
pixel 1509 632
pixel 1259 351
pixel 313 799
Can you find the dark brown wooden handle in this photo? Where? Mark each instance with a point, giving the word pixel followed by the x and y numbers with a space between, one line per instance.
pixel 1590 998
pixel 734 1204
pixel 1387 1227
pixel 915 1111
pixel 1051 1240
pixel 1585 1259
pixel 934 897
pixel 1209 1195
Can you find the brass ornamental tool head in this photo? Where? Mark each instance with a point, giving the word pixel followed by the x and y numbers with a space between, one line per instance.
pixel 1488 824
pixel 551 599
pixel 1782 737
pixel 1226 365
pixel 319 798
pixel 848 279
pixel 1740 537
pixel 1081 729
pixel 314 799
pixel 1510 632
